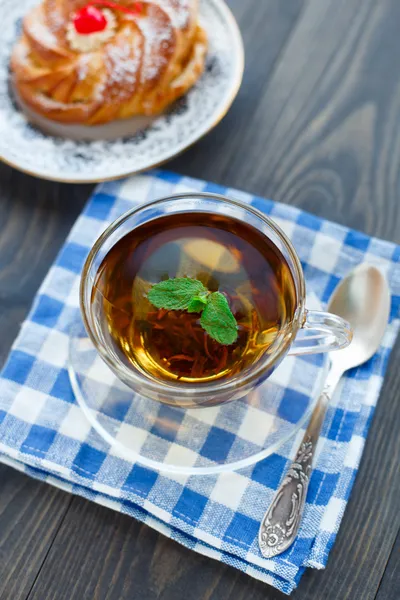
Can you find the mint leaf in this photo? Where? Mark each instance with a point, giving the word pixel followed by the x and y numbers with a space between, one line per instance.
pixel 197 304
pixel 218 320
pixel 183 293
pixel 175 294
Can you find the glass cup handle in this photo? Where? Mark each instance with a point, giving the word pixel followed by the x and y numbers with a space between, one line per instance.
pixel 321 332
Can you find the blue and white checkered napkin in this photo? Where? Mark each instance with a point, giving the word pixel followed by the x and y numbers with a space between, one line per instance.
pixel 44 433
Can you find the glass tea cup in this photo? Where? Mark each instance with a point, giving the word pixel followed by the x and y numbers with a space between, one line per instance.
pixel 308 331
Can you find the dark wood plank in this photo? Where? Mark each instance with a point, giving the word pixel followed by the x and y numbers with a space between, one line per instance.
pixel 102 555
pixel 265 27
pixel 322 132
pixel 389 588
pixel 30 515
pixel 35 217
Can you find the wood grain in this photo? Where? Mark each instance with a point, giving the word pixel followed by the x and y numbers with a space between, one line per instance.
pixel 322 132
pixel 390 584
pixel 30 515
pixel 103 555
pixel 316 125
pixel 265 28
pixel 35 217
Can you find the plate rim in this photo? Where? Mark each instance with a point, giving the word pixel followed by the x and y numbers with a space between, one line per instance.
pixel 236 83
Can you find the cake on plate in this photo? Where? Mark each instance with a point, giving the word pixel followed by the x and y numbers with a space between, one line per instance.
pixel 92 63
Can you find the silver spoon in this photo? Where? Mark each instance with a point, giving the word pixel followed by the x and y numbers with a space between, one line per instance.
pixel 363 299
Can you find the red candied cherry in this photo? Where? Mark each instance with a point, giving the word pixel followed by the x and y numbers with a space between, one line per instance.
pixel 89 20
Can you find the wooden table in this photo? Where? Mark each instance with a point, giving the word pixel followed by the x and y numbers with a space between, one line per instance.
pixel 316 125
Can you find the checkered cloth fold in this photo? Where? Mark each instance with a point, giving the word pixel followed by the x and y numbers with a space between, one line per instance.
pixel 44 434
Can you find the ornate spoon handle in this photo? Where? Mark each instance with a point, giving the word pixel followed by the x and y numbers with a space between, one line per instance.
pixel 281 522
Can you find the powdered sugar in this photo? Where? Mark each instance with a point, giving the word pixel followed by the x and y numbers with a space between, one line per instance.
pixel 38 30
pixel 178 11
pixel 55 18
pixel 55 157
pixel 158 36
pixel 83 66
pixel 123 60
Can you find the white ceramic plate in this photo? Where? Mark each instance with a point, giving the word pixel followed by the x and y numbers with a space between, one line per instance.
pixel 27 148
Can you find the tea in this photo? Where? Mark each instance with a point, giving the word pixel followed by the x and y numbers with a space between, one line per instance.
pixel 227 256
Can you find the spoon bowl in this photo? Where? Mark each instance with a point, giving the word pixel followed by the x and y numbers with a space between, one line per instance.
pixel 363 299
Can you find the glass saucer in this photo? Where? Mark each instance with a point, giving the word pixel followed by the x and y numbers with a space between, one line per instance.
pixel 198 441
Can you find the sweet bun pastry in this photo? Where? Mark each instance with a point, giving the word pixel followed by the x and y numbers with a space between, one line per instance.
pixel 89 64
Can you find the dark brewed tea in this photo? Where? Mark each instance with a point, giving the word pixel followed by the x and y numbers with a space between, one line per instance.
pixel 224 254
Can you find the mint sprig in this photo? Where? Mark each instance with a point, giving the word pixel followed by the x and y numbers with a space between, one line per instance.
pixel 183 293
